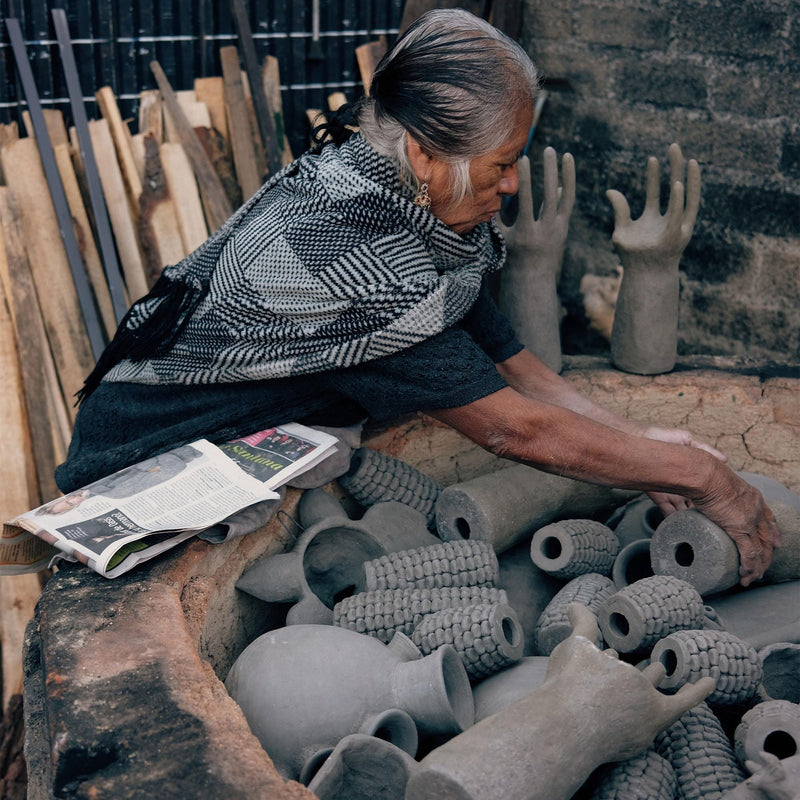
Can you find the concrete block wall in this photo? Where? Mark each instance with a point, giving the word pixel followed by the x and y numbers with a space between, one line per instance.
pixel 625 78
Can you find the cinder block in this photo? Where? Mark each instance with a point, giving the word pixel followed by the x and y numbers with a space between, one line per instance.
pixel 667 83
pixel 636 28
pixel 756 91
pixel 749 30
pixel 790 154
pixel 547 20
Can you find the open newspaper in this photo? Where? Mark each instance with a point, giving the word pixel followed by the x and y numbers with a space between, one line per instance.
pixel 133 515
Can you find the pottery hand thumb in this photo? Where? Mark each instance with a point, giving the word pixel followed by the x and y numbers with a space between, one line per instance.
pixel 622 211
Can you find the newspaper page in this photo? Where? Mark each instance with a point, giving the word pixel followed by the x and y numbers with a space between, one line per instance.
pixel 140 511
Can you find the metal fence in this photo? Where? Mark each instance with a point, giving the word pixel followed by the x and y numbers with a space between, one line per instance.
pixel 115 40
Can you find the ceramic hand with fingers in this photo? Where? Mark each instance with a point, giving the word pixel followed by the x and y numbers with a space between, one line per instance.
pixel 528 293
pixel 627 711
pixel 644 336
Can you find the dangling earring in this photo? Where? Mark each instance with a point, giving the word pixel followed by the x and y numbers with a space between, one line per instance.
pixel 423 199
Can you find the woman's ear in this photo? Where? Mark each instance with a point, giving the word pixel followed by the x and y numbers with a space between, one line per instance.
pixel 420 161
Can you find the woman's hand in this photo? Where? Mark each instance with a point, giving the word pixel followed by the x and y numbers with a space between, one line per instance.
pixel 669 503
pixel 740 510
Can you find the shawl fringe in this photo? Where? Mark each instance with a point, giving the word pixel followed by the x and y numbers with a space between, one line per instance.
pixel 165 322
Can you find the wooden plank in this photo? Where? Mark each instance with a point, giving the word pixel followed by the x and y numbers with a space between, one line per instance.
pixel 17 467
pixel 54 121
pixel 85 166
pixel 9 133
pixel 271 78
pixel 121 135
pixel 195 112
pixel 18 596
pixel 55 289
pixel 211 91
pixel 270 144
pixel 244 157
pixel 215 202
pixel 118 209
pixel 368 55
pixel 137 148
pixel 151 114
pixel 18 593
pixel 32 384
pixel 158 223
pixel 336 100
pixel 82 292
pixel 85 238
pixel 255 136
pixel 221 158
pixel 185 195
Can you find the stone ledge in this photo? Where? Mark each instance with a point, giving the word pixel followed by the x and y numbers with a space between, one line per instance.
pixel 123 691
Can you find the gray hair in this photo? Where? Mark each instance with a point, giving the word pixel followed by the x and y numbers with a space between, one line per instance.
pixel 456 84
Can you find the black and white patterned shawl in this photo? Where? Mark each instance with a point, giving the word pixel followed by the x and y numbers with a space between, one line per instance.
pixel 329 265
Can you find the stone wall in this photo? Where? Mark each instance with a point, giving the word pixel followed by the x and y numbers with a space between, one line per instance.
pixel 625 78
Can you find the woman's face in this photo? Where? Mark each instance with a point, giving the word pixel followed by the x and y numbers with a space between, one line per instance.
pixel 494 176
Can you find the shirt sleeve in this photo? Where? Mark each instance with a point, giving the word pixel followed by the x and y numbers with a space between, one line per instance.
pixel 490 328
pixel 446 371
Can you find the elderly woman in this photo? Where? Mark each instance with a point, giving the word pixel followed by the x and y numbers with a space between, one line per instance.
pixel 354 284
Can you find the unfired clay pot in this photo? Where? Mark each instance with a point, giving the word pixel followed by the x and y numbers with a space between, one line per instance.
pixel 773 726
pixel 507 506
pixel 506 687
pixel 302 688
pixel 326 563
pixel 363 767
pixel 690 546
pixel 781 665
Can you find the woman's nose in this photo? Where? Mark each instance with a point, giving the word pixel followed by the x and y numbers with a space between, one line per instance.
pixel 509 183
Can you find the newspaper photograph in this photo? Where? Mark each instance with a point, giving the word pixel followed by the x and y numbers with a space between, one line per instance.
pixel 140 511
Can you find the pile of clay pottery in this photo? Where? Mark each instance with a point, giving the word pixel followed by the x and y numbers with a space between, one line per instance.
pixel 425 637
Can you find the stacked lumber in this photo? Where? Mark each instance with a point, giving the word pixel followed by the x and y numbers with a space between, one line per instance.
pixel 167 181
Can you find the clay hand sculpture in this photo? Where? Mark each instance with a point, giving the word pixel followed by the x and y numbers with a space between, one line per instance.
pixel 644 338
pixel 591 709
pixel 528 281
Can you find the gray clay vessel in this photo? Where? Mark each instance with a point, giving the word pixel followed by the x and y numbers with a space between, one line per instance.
pixel 363 767
pixel 302 688
pixel 326 563
pixel 690 546
pixel 632 563
pixel 781 665
pixel 772 727
pixel 507 506
pixel 506 687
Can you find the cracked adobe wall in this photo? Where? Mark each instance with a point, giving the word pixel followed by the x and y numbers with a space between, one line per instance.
pixel 625 79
